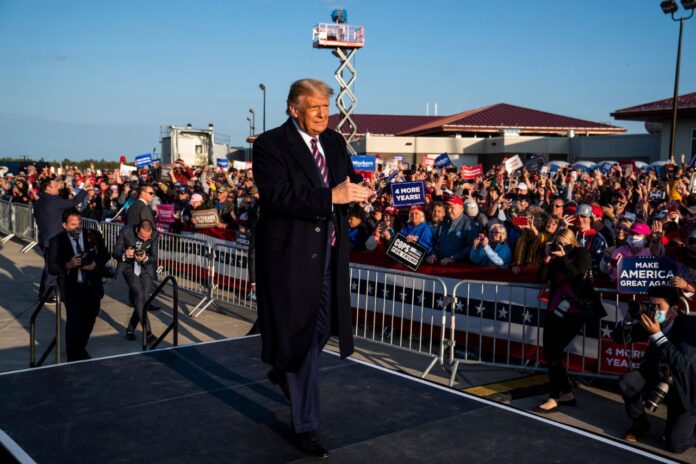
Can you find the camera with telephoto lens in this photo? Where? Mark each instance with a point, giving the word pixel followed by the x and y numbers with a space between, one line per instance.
pixel 141 248
pixel 556 246
pixel 657 396
pixel 636 308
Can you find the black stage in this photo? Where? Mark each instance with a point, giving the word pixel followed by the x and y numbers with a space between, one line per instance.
pixel 212 403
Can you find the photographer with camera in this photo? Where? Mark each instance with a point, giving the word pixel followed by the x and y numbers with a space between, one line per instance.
pixel 667 372
pixel 136 252
pixel 565 268
pixel 77 257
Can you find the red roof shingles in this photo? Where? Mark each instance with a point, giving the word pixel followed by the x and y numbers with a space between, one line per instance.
pixel 505 115
pixel 382 124
pixel 684 102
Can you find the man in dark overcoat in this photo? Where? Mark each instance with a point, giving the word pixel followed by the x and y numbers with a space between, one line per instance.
pixel 306 181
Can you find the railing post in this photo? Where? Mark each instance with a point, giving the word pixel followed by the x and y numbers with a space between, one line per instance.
pixel 59 310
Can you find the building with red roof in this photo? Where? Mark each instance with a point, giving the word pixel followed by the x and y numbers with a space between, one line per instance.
pixel 490 133
pixel 658 119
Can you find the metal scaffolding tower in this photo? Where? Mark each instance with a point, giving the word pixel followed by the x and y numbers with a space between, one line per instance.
pixel 344 40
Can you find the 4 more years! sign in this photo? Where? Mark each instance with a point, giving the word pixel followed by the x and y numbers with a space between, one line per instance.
pixel 637 274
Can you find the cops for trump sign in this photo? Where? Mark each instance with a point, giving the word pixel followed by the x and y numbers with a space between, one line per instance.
pixel 410 254
pixel 637 275
pixel 408 193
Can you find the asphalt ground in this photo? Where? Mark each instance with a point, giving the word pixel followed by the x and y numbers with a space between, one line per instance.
pixel 600 408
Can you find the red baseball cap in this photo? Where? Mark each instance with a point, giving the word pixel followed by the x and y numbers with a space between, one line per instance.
pixel 597 211
pixel 455 200
pixel 418 208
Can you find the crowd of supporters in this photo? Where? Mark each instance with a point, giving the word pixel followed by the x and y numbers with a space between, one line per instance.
pixel 499 220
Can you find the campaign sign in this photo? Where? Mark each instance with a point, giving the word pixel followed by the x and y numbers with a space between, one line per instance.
pixel 164 172
pixel 143 161
pixel 408 193
pixel 223 163
pixel 443 161
pixel 165 214
pixel 243 240
pixel 410 254
pixel 472 172
pixel 637 274
pixel 204 218
pixel 364 162
pixel 401 157
pixel 513 164
pixel 618 358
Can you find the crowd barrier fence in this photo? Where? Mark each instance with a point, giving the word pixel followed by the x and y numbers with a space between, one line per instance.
pixel 481 322
pixel 23 225
pixel 6 213
pixel 400 308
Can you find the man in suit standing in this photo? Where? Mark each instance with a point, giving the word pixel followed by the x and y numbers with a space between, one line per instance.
pixel 48 212
pixel 140 209
pixel 306 180
pixel 136 253
pixel 77 257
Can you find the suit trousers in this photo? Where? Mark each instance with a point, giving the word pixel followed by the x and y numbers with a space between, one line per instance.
pixel 47 280
pixel 82 308
pixel 680 426
pixel 140 289
pixel 302 386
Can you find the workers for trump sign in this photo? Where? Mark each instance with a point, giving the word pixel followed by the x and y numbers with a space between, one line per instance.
pixel 637 274
pixel 408 193
pixel 364 162
pixel 143 161
pixel 443 161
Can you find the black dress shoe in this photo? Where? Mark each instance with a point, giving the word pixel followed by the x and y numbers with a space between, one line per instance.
pixel 130 335
pixel 310 444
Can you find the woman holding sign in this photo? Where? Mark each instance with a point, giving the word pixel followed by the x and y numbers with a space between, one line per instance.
pixel 565 266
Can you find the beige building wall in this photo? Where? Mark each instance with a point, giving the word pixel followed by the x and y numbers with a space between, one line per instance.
pixel 494 149
pixel 685 128
pixel 640 147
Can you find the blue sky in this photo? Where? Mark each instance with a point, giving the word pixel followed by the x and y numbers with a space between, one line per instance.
pixel 97 79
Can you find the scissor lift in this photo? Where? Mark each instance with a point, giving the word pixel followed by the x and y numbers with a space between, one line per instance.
pixel 344 40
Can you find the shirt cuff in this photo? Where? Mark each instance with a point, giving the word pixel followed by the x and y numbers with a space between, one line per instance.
pixel 658 338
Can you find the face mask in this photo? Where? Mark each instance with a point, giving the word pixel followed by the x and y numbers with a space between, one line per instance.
pixel 660 317
pixel 74 233
pixel 567 248
pixel 635 241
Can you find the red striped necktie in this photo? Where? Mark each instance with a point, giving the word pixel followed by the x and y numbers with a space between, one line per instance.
pixel 324 174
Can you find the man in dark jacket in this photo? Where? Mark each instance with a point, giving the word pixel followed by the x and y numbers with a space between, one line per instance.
pixel 136 253
pixel 77 257
pixel 48 212
pixel 305 180
pixel 669 360
pixel 140 209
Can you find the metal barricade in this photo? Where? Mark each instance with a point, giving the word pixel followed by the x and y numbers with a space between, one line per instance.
pixel 187 259
pixel 500 323
pixel 230 276
pixel 110 231
pixel 6 220
pixel 23 225
pixel 401 309
pixel 91 224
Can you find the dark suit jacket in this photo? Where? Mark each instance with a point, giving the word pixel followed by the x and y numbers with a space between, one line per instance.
pixel 48 212
pixel 137 212
pixel 291 243
pixel 128 238
pixel 60 251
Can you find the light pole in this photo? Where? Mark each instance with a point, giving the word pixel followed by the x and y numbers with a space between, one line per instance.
pixel 253 121
pixel 251 126
pixel 263 89
pixel 670 7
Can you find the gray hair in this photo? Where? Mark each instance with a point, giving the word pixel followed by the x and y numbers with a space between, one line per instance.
pixel 303 87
